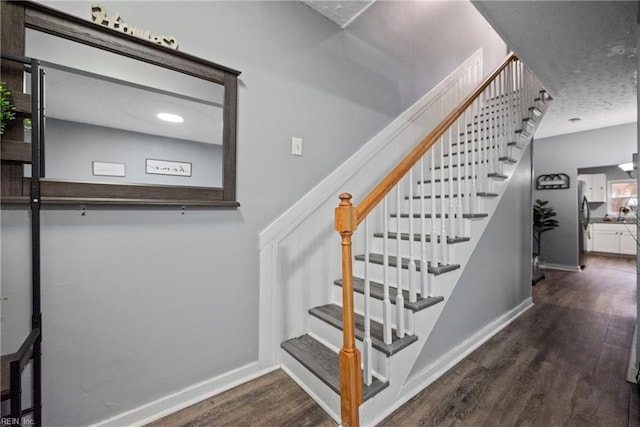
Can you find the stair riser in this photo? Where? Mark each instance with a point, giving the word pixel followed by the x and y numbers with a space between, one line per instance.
pixel 377 247
pixel 466 164
pixel 417 205
pixel 404 206
pixel 417 226
pixel 376 273
pixel 466 187
pixel 480 152
pixel 483 168
pixel 333 336
pixel 377 310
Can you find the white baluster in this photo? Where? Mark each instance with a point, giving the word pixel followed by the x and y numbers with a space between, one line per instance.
pixel 514 99
pixel 501 118
pixel 434 230
pixel 508 114
pixel 482 156
pixel 459 208
pixel 452 195
pixel 468 157
pixel 425 290
pixel 413 286
pixel 443 208
pixel 475 147
pixel 386 302
pixel 367 354
pixel 490 132
pixel 399 296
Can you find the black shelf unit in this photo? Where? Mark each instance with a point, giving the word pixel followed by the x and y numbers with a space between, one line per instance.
pixel 31 348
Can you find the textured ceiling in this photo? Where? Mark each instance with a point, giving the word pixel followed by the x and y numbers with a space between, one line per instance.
pixel 584 53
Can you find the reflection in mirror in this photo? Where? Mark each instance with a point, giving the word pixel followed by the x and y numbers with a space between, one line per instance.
pixel 102 121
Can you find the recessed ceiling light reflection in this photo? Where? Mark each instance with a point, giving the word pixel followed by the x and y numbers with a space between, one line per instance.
pixel 171 118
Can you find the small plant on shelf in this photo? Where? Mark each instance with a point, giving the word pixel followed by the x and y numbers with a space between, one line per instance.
pixel 7 109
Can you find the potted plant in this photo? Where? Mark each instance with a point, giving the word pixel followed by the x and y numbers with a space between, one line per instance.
pixel 7 109
pixel 543 220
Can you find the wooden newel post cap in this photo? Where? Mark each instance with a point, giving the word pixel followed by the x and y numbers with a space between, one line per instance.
pixel 346 220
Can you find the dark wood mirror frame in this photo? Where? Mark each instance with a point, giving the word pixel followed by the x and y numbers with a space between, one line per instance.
pixel 16 16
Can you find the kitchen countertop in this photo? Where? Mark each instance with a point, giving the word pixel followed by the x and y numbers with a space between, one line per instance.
pixel 612 221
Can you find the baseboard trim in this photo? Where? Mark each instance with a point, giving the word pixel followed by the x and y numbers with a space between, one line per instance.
pixel 184 398
pixel 561 267
pixel 438 368
pixel 632 370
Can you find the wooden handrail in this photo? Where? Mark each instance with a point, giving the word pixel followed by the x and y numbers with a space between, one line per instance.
pixel 377 194
pixel 347 218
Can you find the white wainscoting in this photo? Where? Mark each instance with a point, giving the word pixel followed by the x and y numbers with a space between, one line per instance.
pixel 299 251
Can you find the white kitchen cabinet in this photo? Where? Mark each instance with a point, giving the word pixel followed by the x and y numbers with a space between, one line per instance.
pixel 615 238
pixel 628 244
pixel 596 189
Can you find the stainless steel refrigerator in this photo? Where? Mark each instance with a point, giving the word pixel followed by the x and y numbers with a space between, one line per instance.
pixel 583 222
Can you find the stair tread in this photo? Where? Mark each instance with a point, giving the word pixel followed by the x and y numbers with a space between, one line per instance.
pixel 332 314
pixel 455 178
pixel 478 163
pixel 438 196
pixel 498 175
pixel 324 363
pixel 428 215
pixel 507 159
pixel 467 152
pixel 484 129
pixel 446 179
pixel 417 237
pixel 437 270
pixel 377 292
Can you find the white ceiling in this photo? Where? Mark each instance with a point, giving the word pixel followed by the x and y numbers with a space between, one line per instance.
pixel 339 11
pixel 583 51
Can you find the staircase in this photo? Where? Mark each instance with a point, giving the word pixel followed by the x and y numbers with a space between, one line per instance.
pixel 419 227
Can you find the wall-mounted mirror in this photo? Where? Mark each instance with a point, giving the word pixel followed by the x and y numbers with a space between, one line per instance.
pixel 128 121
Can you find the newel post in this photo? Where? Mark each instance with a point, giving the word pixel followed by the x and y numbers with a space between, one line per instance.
pixel 350 366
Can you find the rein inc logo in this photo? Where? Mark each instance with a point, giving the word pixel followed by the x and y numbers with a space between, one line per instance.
pixel 8 421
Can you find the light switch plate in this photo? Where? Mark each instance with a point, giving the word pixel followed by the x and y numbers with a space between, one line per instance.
pixel 296 146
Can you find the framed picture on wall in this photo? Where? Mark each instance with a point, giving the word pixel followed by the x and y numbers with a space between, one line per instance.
pixel 108 169
pixel 167 167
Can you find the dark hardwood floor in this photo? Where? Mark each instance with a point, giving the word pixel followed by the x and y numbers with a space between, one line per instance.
pixel 562 363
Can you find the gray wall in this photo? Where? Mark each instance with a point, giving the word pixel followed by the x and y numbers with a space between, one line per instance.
pixel 72 147
pixel 129 294
pixel 497 277
pixel 567 154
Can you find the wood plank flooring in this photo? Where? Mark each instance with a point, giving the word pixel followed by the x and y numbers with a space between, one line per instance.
pixel 562 363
